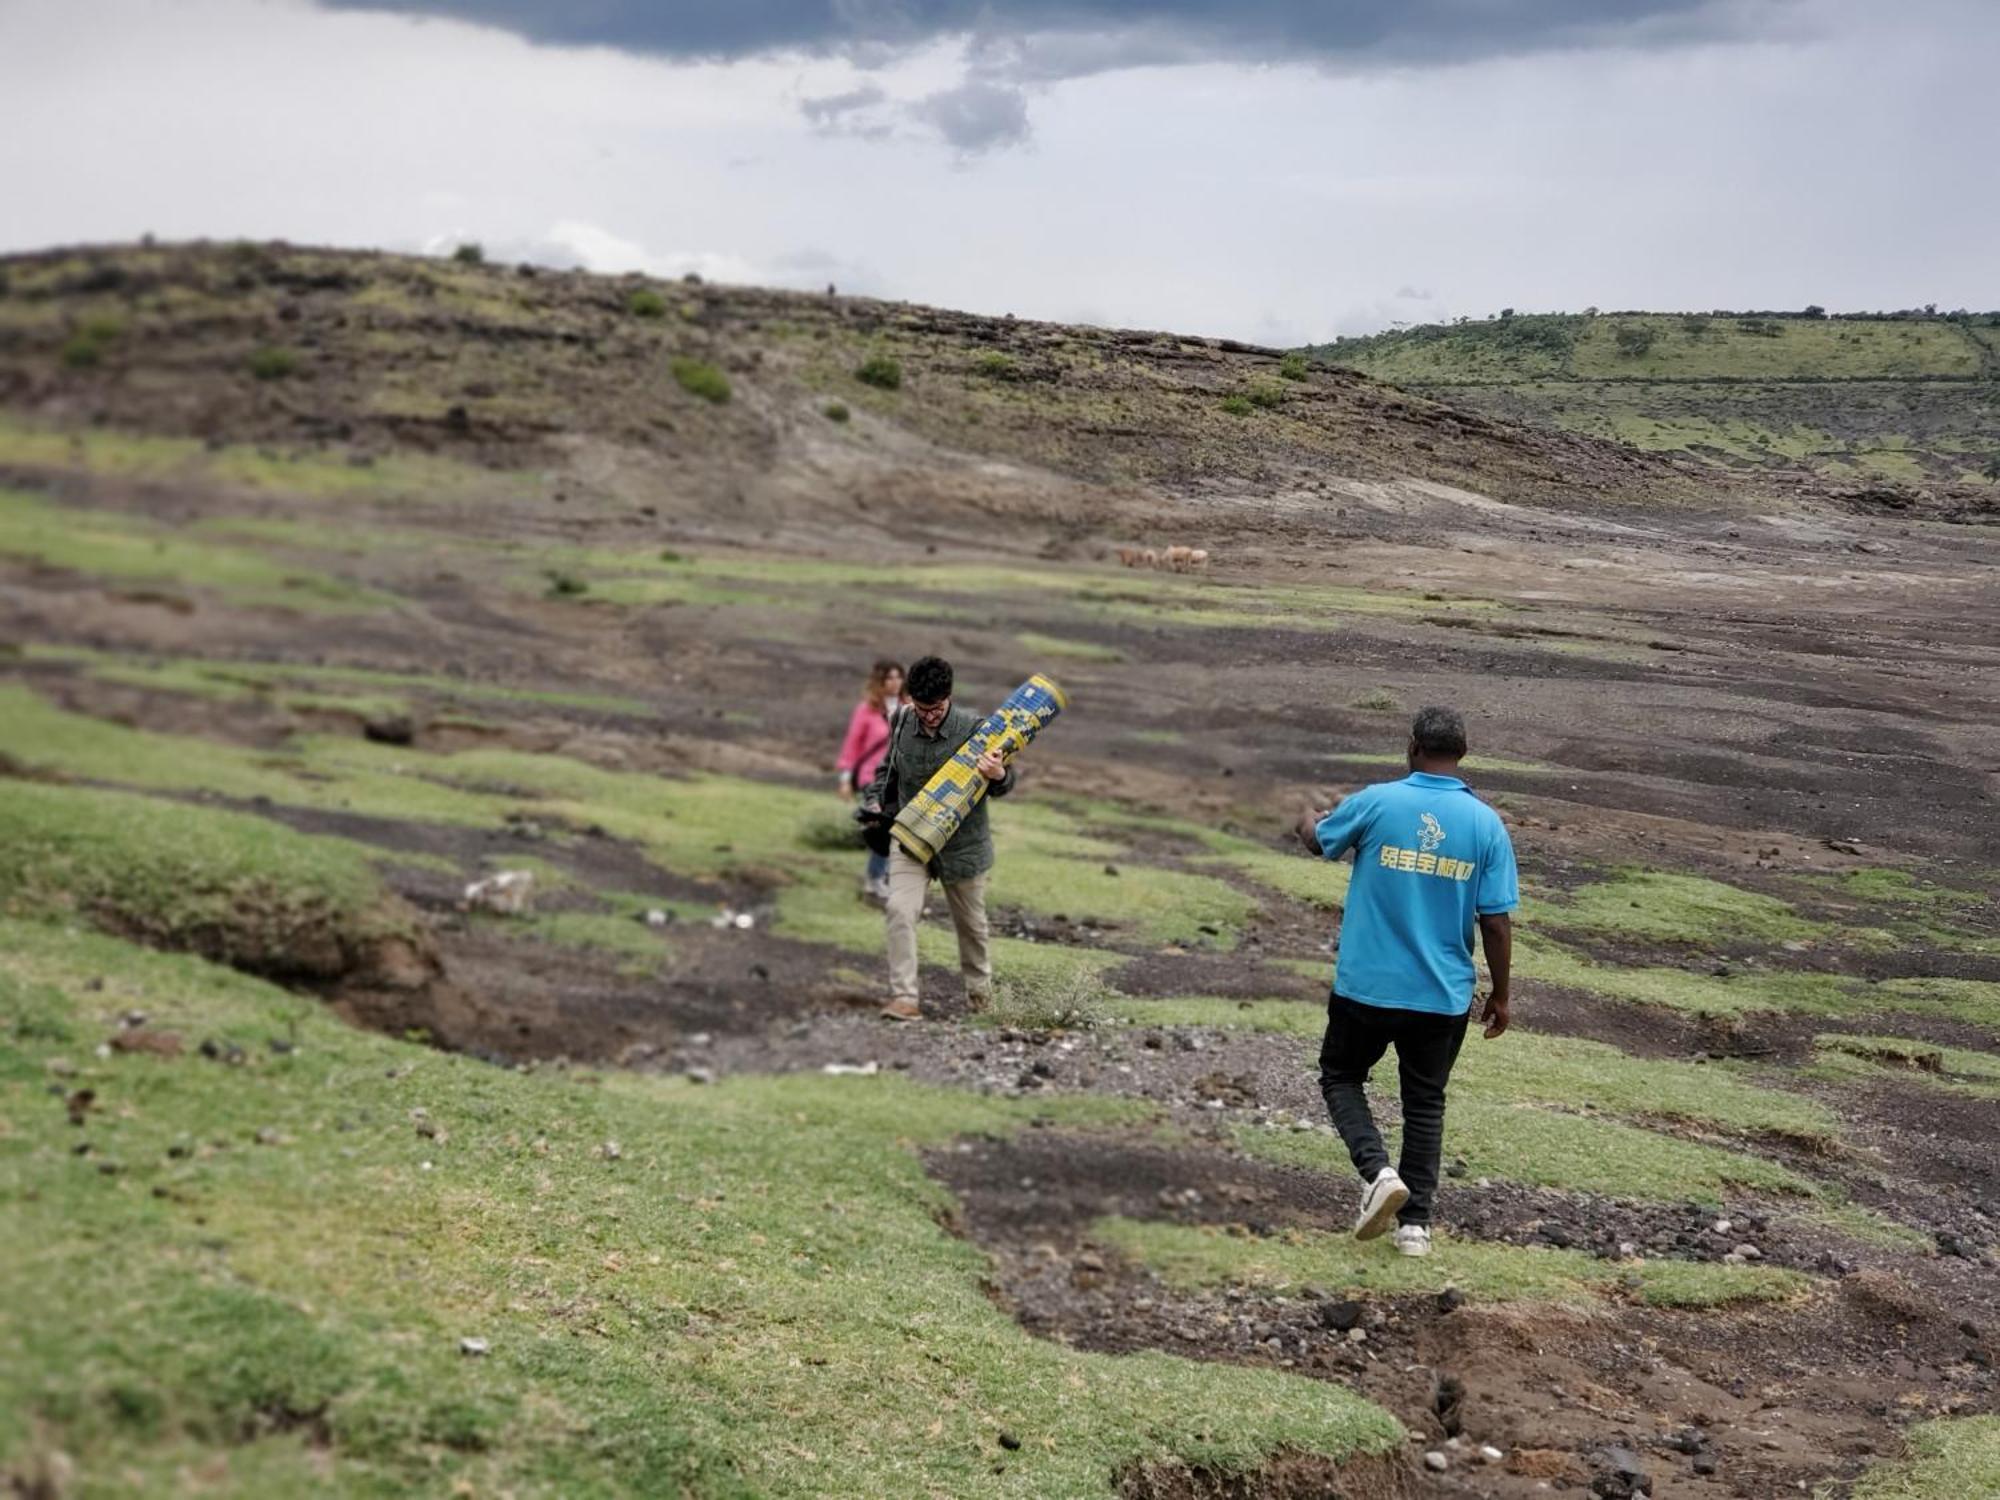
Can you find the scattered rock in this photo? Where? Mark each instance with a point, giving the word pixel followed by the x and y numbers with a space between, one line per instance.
pixel 1339 1316
pixel 1010 1442
pixel 610 1151
pixel 1436 1461
pixel 852 1070
pixel 473 1348
pixel 700 1075
pixel 506 894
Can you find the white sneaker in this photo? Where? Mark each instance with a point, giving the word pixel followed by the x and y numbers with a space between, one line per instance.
pixel 1379 1203
pixel 1413 1239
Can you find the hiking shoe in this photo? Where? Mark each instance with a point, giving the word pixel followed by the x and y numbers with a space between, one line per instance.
pixel 902 1010
pixel 1413 1239
pixel 1379 1203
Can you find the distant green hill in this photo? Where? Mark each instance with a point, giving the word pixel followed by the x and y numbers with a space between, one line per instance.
pixel 1907 396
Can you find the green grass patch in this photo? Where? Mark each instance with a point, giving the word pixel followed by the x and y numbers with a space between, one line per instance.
pixel 239 889
pixel 238 679
pixel 305 474
pixel 1865 1225
pixel 1951 1458
pixel 105 544
pixel 1044 865
pixel 1545 1148
pixel 1317 882
pixel 1656 906
pixel 1847 1056
pixel 753 1297
pixel 1196 1256
pixel 1745 991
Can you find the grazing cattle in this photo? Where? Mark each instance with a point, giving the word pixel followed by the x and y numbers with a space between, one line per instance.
pixel 1128 557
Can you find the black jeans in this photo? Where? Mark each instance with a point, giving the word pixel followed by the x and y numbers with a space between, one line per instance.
pixel 1426 1046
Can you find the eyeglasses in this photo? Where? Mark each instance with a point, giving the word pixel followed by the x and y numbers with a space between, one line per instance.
pixel 931 713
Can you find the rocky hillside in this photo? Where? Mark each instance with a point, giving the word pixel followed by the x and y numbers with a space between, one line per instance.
pixel 797 405
pixel 1909 399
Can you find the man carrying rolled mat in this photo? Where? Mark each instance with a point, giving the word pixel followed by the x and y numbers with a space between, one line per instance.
pixel 1431 863
pixel 921 739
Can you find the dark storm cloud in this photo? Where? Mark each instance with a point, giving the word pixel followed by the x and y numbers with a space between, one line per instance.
pixel 1050 39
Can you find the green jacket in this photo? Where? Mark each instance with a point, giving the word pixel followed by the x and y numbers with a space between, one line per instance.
pixel 913 758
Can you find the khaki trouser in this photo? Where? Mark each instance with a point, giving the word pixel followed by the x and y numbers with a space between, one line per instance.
pixel 909 881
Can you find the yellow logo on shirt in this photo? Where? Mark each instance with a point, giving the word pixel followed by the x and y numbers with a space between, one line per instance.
pixel 1420 862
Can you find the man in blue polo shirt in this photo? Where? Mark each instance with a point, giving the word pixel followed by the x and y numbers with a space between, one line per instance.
pixel 1431 862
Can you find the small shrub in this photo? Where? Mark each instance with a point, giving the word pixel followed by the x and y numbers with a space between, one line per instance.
pixel 82 352
pixel 647 303
pixel 1763 328
pixel 836 411
pixel 6 282
pixel 1068 1002
pixel 1292 366
pixel 1267 395
pixel 565 585
pixel 1694 325
pixel 881 371
pixel 471 253
pixel 1378 700
pixel 699 378
pixel 1237 406
pixel 669 555
pixel 997 366
pixel 273 364
pixel 1633 339
pixel 104 327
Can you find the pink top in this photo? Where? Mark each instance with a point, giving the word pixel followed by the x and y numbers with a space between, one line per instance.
pixel 867 741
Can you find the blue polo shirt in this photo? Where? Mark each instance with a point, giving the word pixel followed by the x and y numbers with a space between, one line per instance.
pixel 1430 859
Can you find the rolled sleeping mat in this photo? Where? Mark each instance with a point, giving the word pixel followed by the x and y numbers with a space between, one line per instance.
pixel 929 819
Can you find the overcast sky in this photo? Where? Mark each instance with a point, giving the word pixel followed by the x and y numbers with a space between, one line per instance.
pixel 1271 171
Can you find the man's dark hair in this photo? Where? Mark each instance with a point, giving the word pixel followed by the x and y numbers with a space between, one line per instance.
pixel 1438 731
pixel 929 679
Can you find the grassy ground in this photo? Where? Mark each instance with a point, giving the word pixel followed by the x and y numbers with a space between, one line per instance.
pixel 267 1270
pixel 1194 1256
pixel 127 550
pixel 1947 1459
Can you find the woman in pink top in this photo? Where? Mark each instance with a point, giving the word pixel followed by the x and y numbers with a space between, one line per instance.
pixel 862 751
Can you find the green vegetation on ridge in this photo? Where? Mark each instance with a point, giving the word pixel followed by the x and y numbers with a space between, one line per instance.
pixel 1906 397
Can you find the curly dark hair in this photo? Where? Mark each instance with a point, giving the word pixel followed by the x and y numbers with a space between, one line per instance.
pixel 929 679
